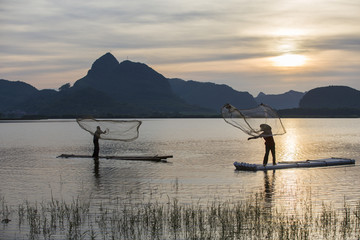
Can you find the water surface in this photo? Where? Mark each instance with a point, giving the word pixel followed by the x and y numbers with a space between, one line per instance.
pixel 201 169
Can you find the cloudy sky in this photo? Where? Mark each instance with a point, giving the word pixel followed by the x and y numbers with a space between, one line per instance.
pixel 259 45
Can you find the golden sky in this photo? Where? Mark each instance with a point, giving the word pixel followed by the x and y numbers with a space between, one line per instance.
pixel 258 45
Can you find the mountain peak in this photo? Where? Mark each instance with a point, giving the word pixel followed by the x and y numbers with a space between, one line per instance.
pixel 285 100
pixel 105 63
pixel 130 64
pixel 261 94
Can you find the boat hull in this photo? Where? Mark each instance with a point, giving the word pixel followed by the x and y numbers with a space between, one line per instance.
pixel 298 164
pixel 155 158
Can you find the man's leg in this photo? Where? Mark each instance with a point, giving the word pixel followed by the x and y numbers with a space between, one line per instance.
pixel 273 155
pixel 266 156
pixel 96 149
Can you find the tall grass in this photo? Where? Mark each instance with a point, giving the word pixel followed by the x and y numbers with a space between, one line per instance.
pixel 169 219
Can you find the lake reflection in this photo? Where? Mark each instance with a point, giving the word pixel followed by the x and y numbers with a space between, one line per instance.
pixel 200 171
pixel 269 185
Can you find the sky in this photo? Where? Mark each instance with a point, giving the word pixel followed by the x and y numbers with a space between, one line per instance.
pixel 269 46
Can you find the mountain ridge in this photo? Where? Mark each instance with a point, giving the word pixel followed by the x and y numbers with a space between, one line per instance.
pixel 289 99
pixel 211 95
pixel 119 89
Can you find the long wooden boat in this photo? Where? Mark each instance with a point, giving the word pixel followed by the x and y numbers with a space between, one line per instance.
pixel 154 158
pixel 296 164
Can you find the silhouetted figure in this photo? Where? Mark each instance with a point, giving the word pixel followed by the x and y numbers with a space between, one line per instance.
pixel 269 191
pixel 96 167
pixel 269 143
pixel 97 134
pixel 269 186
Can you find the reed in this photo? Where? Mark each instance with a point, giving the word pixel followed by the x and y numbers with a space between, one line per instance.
pixel 170 219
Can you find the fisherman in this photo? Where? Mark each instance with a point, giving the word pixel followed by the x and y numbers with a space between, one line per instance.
pixel 269 142
pixel 97 134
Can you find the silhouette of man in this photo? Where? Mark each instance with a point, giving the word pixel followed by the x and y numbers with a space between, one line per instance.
pixel 97 134
pixel 269 143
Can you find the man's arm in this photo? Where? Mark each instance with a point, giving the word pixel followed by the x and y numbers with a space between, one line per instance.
pixel 253 137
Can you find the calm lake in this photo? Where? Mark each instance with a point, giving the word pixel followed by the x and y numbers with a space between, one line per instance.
pixel 200 171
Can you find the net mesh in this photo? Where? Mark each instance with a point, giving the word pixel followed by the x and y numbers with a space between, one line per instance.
pixel 249 120
pixel 118 130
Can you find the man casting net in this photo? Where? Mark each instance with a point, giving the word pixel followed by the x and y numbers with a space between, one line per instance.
pixel 118 130
pixel 250 120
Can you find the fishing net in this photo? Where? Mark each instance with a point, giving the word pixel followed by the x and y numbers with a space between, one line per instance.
pixel 254 121
pixel 118 130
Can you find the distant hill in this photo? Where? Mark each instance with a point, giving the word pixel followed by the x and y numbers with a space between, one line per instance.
pixel 135 83
pixel 13 93
pixel 74 102
pixel 286 100
pixel 210 95
pixel 110 89
pixel 130 89
pixel 331 97
pixel 127 81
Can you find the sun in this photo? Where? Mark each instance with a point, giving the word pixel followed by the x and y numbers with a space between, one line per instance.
pixel 289 60
pixel 287 45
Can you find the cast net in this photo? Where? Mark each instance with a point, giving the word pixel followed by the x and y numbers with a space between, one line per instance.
pixel 249 120
pixel 118 130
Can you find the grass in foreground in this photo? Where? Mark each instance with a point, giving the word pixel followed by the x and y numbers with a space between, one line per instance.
pixel 250 219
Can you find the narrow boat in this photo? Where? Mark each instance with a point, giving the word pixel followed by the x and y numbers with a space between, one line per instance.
pixel 296 164
pixel 155 158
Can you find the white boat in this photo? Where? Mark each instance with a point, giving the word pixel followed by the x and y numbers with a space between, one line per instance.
pixel 296 164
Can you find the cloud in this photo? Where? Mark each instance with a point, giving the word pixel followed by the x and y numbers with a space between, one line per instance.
pixel 335 42
pixel 201 40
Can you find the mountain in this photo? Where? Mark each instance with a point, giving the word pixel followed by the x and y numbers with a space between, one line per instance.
pixel 286 100
pixel 331 97
pixel 134 83
pixel 330 102
pixel 126 81
pixel 13 93
pixel 130 89
pixel 109 89
pixel 73 102
pixel 210 95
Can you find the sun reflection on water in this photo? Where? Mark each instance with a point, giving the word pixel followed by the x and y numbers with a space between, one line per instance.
pixel 292 192
pixel 290 147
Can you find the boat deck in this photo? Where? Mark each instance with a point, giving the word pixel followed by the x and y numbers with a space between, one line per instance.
pixel 298 164
pixel 155 158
